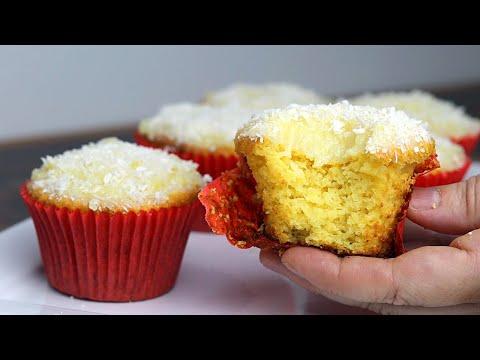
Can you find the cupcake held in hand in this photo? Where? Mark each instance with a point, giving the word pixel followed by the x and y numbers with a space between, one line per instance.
pixel 337 177
pixel 112 219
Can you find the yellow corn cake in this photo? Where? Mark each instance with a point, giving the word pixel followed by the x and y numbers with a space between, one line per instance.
pixel 335 176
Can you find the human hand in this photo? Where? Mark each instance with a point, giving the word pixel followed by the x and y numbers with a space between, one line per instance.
pixel 430 279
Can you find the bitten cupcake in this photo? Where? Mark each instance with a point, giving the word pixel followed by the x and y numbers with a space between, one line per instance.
pixel 263 96
pixel 112 219
pixel 454 164
pixel 443 117
pixel 336 177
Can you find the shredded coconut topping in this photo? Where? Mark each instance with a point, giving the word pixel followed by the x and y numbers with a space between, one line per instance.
pixel 450 155
pixel 203 126
pixel 375 131
pixel 114 175
pixel 266 96
pixel 443 117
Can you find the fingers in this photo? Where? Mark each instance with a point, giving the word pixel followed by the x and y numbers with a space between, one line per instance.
pixel 469 242
pixel 449 209
pixel 387 309
pixel 357 278
pixel 271 260
pixel 428 276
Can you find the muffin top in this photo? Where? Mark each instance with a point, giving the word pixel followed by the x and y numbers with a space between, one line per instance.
pixel 334 133
pixel 115 176
pixel 443 117
pixel 186 125
pixel 450 155
pixel 266 96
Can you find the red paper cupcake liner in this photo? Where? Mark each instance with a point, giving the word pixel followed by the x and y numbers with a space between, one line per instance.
pixel 443 177
pixel 211 164
pixel 103 257
pixel 469 143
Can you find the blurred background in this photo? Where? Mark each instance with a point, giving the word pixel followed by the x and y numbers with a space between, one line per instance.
pixel 49 90
pixel 55 98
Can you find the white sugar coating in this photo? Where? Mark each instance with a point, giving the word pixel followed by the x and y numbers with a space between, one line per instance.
pixel 443 117
pixel 450 155
pixel 114 175
pixel 334 132
pixel 200 125
pixel 264 96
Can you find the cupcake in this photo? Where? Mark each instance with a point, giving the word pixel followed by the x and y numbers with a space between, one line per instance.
pixel 337 177
pixel 201 133
pixel 454 164
pixel 112 219
pixel 444 118
pixel 265 96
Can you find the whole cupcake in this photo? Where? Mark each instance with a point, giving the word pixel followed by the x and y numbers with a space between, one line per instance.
pixel 197 132
pixel 201 133
pixel 454 164
pixel 337 177
pixel 263 96
pixel 112 219
pixel 443 117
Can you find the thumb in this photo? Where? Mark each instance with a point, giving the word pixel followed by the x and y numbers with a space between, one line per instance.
pixel 449 209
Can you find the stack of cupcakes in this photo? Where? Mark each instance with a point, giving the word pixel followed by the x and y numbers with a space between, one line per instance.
pixel 455 132
pixel 204 132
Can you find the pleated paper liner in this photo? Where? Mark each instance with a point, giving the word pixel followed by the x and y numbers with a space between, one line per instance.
pixel 469 143
pixel 103 257
pixel 212 164
pixel 441 177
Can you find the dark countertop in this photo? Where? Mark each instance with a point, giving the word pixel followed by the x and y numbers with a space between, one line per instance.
pixel 18 159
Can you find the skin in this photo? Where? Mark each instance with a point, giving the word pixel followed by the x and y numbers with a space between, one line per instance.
pixel 440 274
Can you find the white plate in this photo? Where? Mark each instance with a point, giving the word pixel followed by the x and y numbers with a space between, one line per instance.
pixel 215 278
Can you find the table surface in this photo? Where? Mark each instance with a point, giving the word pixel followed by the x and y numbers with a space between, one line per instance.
pixel 18 159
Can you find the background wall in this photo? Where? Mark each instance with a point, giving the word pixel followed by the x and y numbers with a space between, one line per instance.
pixel 61 89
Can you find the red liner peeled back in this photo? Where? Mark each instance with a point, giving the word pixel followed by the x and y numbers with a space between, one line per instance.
pixel 234 210
pixel 212 164
pixel 103 257
pixel 441 177
pixel 467 142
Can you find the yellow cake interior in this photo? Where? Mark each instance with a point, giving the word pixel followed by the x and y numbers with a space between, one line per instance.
pixel 334 176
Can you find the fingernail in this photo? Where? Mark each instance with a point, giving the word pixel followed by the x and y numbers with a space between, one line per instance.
pixel 425 198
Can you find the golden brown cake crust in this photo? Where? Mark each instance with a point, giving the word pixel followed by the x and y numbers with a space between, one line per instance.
pixel 176 200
